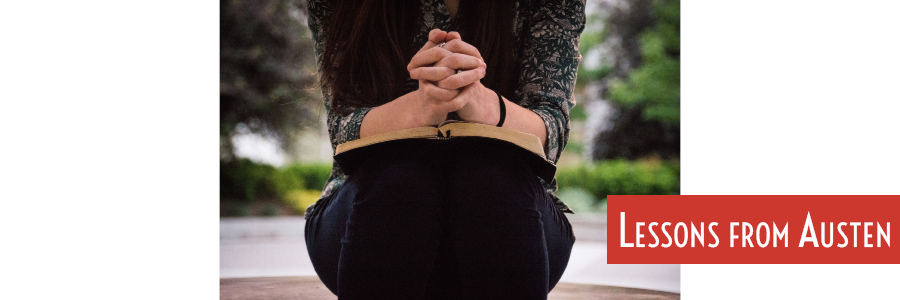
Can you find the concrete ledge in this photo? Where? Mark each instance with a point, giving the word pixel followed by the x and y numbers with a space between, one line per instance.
pixel 309 287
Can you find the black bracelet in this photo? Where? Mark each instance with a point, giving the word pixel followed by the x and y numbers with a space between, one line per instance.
pixel 502 110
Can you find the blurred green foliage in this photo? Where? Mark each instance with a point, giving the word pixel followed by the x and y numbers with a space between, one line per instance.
pixel 656 85
pixel 623 177
pixel 298 200
pixel 308 176
pixel 575 147
pixel 592 37
pixel 637 45
pixel 267 69
pixel 245 184
pixel 296 186
pixel 578 113
pixel 242 180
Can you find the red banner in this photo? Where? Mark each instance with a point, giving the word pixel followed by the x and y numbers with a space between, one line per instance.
pixel 752 229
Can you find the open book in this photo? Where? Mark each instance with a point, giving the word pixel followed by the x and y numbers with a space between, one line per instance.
pixel 350 154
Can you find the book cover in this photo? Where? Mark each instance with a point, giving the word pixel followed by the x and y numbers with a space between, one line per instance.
pixel 528 147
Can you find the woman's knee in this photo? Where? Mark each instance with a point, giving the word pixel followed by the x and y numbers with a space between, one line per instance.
pixel 325 227
pixel 398 177
pixel 496 173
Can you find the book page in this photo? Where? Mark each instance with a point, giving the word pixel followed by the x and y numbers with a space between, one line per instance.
pixel 527 141
pixel 418 132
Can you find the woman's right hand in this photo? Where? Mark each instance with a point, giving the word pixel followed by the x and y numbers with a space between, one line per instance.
pixel 434 64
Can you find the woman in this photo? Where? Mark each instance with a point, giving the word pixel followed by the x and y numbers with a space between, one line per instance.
pixel 430 222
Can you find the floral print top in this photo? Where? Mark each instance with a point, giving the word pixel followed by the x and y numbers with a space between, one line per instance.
pixel 546 33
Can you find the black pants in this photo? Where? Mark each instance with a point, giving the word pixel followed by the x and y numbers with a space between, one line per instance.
pixel 464 222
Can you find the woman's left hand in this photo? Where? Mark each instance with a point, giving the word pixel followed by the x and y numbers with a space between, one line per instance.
pixel 482 105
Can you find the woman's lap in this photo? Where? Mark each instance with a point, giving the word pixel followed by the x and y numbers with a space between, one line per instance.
pixel 468 223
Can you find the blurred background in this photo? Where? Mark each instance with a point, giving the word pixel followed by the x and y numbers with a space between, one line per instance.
pixel 275 152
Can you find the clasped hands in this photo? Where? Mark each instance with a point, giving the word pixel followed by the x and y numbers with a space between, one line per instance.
pixel 450 81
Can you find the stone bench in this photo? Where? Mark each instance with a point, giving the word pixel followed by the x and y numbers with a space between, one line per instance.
pixel 309 287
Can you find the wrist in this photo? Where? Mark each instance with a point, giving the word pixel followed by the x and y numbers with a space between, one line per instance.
pixel 420 113
pixel 490 107
pixel 484 108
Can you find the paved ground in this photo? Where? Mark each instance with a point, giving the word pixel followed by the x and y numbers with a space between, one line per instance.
pixel 309 287
pixel 274 247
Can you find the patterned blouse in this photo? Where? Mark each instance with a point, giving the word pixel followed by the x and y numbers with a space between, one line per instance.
pixel 547 34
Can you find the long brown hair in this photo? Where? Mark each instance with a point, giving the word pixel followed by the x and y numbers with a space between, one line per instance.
pixel 369 43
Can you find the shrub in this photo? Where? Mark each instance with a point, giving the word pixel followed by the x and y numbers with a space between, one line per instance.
pixel 622 177
pixel 233 209
pixel 246 181
pixel 270 210
pixel 299 200
pixel 286 181
pixel 313 176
